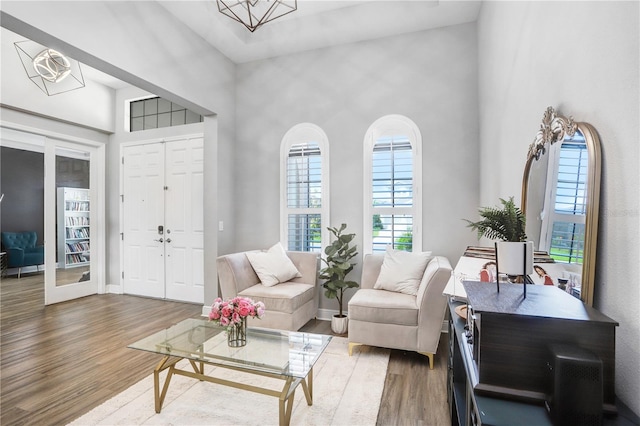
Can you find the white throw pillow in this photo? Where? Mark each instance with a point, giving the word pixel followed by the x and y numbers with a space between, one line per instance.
pixel 273 266
pixel 402 271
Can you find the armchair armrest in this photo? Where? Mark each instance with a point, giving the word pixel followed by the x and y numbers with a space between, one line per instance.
pixel 432 304
pixel 37 250
pixel 15 257
pixel 307 263
pixel 371 265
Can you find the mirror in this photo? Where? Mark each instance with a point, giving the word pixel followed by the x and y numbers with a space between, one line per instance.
pixel 561 198
pixel 72 216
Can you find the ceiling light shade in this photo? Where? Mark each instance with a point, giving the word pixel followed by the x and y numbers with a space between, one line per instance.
pixel 50 70
pixel 255 13
pixel 52 65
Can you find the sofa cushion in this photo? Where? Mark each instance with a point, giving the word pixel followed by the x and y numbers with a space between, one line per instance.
pixel 381 306
pixel 402 271
pixel 285 297
pixel 273 266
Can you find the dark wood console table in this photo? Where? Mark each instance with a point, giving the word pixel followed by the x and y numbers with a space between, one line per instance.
pixel 466 406
pixel 470 407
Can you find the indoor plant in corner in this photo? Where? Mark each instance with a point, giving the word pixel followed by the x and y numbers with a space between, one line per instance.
pixel 338 265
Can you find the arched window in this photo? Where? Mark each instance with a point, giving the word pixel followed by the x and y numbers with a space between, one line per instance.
pixel 304 188
pixel 392 179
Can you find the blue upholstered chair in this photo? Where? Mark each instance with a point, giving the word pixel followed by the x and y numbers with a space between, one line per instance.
pixel 22 250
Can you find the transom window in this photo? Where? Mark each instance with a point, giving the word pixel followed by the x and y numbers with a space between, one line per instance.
pixel 304 191
pixel 392 178
pixel 154 113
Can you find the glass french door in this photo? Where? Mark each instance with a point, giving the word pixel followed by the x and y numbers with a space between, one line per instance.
pixel 75 164
pixel 74 224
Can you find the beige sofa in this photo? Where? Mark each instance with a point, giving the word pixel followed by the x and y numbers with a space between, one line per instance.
pixel 289 305
pixel 395 320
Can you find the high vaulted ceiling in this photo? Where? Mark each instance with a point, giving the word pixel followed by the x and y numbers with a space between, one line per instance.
pixel 319 23
pixel 315 24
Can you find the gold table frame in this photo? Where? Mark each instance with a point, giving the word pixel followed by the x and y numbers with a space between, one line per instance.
pixel 285 396
pixel 201 342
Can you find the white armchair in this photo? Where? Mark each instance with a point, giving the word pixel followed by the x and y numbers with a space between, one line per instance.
pixel 397 320
pixel 289 305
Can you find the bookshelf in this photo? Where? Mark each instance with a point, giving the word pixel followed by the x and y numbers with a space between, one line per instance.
pixel 73 227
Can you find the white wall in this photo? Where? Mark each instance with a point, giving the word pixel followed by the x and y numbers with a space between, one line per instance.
pixel 583 59
pixel 140 43
pixel 431 77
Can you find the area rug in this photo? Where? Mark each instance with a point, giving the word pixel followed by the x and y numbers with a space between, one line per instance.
pixel 346 391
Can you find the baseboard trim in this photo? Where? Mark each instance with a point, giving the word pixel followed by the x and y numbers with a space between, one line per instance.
pixel 206 309
pixel 326 314
pixel 113 289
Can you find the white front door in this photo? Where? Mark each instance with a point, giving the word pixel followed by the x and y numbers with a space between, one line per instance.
pixel 163 220
pixel 184 210
pixel 143 220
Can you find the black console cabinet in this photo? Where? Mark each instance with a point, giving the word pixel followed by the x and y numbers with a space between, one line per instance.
pixel 468 406
pixel 512 336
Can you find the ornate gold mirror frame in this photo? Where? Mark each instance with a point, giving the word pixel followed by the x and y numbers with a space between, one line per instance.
pixel 556 128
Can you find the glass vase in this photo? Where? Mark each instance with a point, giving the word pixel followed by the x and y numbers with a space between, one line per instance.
pixel 237 334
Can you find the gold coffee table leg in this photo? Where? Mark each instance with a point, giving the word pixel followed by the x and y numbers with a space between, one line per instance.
pixel 307 387
pixel 163 365
pixel 286 407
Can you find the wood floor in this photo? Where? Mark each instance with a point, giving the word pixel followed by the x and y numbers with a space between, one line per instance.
pixel 58 362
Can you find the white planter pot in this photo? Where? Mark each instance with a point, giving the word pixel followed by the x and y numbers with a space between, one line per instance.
pixel 339 325
pixel 512 259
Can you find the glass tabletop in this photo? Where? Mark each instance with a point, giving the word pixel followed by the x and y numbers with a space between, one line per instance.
pixel 287 353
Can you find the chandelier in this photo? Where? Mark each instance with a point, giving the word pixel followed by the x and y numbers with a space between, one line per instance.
pixel 255 13
pixel 50 70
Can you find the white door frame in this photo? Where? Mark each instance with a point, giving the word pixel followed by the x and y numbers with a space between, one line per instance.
pixel 46 141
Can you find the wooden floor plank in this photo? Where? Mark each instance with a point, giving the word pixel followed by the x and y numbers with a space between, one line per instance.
pixel 60 361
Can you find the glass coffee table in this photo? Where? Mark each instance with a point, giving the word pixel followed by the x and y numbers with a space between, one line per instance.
pixel 284 355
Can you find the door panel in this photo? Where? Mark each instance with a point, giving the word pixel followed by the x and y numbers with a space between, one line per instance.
pixel 163 186
pixel 184 204
pixel 143 213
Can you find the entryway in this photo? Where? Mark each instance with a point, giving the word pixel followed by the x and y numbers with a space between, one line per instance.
pixel 163 219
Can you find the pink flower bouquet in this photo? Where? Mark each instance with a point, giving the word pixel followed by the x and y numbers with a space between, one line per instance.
pixel 233 311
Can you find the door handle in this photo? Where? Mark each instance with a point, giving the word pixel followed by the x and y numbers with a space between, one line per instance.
pixel 168 240
pixel 160 240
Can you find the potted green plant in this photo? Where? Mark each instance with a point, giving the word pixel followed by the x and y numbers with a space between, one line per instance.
pixel 506 223
pixel 338 265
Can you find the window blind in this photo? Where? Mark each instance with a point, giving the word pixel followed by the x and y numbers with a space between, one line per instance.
pixel 304 197
pixel 392 193
pixel 304 176
pixel 392 172
pixel 572 178
pixel 304 232
pixel 392 230
pixel 567 233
